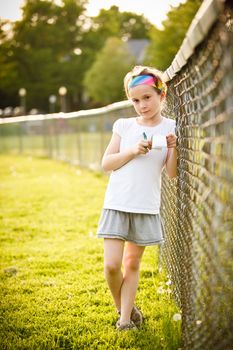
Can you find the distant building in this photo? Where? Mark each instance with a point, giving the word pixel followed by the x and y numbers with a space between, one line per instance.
pixel 137 48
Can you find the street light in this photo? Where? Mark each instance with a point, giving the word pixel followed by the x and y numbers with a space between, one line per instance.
pixel 22 95
pixel 52 101
pixel 62 92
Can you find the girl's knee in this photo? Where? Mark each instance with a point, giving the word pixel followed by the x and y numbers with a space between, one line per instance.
pixel 112 267
pixel 132 263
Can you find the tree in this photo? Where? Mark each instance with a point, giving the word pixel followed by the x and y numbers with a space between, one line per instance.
pixel 166 42
pixel 108 24
pixel 43 51
pixel 9 77
pixel 104 80
pixel 54 44
pixel 113 23
pixel 129 25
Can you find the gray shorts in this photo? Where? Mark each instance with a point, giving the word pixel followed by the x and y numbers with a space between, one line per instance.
pixel 142 229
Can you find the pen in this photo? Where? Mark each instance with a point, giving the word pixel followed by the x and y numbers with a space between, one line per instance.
pixel 145 138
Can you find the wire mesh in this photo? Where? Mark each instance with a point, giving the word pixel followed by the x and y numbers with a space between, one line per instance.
pixel 197 208
pixel 79 139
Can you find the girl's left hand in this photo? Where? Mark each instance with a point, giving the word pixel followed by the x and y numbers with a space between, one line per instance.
pixel 171 141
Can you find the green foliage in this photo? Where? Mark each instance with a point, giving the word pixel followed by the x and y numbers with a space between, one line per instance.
pixel 104 80
pixel 42 51
pixel 41 54
pixel 9 77
pixel 113 23
pixel 166 42
pixel 53 292
pixel 45 24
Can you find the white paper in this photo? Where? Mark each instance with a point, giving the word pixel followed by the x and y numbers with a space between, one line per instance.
pixel 159 141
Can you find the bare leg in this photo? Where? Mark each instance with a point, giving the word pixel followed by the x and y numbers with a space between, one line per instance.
pixel 113 254
pixel 131 260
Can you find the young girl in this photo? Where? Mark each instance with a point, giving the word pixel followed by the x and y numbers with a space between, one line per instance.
pixel 132 200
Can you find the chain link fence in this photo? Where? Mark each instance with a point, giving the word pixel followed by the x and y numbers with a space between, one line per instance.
pixel 197 206
pixel 79 137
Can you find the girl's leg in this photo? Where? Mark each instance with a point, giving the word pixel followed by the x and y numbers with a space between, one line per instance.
pixel 113 254
pixel 131 260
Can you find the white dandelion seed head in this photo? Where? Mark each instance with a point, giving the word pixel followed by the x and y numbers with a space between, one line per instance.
pixel 160 290
pixel 169 282
pixel 176 317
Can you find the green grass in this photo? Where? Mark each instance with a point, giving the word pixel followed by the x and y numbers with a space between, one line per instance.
pixel 53 291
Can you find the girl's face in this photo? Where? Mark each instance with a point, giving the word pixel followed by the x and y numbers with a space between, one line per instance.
pixel 146 101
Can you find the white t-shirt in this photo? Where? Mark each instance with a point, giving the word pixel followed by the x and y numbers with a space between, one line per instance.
pixel 135 187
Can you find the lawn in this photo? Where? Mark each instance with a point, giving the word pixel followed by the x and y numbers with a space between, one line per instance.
pixel 53 291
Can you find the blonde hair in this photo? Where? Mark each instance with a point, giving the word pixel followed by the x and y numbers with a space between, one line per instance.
pixel 141 70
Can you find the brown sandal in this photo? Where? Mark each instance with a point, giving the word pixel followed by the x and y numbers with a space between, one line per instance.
pixel 136 317
pixel 125 326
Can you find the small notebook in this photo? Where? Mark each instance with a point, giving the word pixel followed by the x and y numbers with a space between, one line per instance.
pixel 159 141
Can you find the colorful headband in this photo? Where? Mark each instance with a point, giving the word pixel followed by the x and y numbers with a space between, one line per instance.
pixel 147 80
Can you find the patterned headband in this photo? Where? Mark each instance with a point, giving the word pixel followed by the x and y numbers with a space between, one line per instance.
pixel 147 80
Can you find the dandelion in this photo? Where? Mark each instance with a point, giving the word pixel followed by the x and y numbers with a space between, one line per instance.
pixel 49 284
pixel 160 290
pixel 176 317
pixel 198 322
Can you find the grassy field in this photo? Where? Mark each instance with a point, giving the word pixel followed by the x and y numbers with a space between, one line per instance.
pixel 53 291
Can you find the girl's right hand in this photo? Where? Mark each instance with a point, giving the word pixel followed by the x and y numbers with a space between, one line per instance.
pixel 142 147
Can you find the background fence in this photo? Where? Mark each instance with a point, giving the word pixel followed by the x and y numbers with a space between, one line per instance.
pixel 78 137
pixel 197 206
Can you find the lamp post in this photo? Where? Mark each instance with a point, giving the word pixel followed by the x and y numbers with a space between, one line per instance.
pixel 62 92
pixel 52 101
pixel 22 95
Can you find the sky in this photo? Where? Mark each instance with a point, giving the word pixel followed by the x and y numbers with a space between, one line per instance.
pixel 154 10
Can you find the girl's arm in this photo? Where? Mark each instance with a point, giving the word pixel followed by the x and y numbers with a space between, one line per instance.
pixel 171 162
pixel 113 159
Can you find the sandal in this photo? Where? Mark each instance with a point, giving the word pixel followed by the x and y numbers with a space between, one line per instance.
pixel 125 326
pixel 136 316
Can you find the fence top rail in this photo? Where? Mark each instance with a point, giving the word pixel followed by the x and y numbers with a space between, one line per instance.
pixel 78 114
pixel 205 17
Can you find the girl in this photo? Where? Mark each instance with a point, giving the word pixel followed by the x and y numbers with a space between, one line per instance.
pixel 132 200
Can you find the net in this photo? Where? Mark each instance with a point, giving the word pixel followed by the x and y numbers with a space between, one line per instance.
pixel 197 208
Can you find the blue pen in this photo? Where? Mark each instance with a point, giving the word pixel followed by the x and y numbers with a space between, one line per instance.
pixel 145 138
